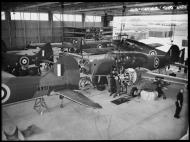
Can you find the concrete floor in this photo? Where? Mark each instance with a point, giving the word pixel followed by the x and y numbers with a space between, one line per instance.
pixel 136 120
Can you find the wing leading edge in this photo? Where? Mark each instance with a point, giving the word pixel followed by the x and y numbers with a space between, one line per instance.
pixel 165 77
pixel 78 98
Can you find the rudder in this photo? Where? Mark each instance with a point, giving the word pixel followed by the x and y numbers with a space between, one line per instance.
pixel 174 53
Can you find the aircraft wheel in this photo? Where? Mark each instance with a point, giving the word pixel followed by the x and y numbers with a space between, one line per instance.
pixel 134 91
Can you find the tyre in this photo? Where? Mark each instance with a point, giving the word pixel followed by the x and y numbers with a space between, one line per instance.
pixel 134 91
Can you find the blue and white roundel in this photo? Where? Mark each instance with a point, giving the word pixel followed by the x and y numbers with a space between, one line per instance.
pixel 5 93
pixel 156 62
pixel 75 41
pixel 24 61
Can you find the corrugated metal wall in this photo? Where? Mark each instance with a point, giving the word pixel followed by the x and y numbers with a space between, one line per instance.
pixel 19 33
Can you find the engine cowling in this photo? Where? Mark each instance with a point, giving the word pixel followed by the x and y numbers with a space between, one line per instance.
pixel 129 76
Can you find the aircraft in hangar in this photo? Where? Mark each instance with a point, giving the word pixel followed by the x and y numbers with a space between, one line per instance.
pixel 88 39
pixel 131 45
pixel 131 61
pixel 134 45
pixel 21 58
pixel 97 47
pixel 62 80
pixel 62 45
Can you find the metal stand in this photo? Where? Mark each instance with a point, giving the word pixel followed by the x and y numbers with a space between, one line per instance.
pixel 16 136
pixel 61 97
pixel 40 105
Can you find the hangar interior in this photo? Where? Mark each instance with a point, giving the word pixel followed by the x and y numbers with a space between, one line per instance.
pixel 65 55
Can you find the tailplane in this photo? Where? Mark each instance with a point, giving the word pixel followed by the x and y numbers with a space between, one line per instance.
pixel 66 79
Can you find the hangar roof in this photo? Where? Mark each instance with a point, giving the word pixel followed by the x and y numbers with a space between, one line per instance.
pixel 97 8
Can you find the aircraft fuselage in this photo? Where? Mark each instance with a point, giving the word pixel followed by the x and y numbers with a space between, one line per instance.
pixel 64 75
pixel 134 60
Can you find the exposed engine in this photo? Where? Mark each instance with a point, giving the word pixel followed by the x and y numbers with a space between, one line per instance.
pixel 129 76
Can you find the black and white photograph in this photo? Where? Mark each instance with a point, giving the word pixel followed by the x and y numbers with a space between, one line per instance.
pixel 94 70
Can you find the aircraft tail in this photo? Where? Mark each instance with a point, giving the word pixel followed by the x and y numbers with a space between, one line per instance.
pixel 67 79
pixel 46 52
pixel 173 53
pixel 182 56
pixel 67 70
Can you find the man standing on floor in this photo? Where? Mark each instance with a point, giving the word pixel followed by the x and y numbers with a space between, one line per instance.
pixel 159 90
pixel 112 82
pixel 179 103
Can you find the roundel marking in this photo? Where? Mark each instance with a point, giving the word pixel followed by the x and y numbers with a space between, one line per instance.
pixel 99 46
pixel 152 52
pixel 75 41
pixel 5 93
pixel 156 62
pixel 24 61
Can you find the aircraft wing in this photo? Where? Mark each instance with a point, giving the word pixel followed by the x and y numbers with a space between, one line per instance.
pixel 78 98
pixel 180 65
pixel 155 45
pixel 97 51
pixel 47 61
pixel 63 44
pixel 6 74
pixel 76 55
pixel 177 80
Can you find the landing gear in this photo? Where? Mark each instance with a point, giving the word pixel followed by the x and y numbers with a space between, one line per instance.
pixel 14 135
pixel 61 97
pixel 134 92
pixel 40 105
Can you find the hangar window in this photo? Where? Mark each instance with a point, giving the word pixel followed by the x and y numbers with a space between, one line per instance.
pixel 67 17
pixel 16 16
pixel 57 17
pixel 29 16
pixel 43 16
pixel 92 18
pixel 2 15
